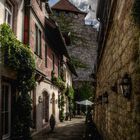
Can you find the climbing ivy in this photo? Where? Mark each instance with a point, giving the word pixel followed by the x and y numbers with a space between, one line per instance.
pixel 78 63
pixel 61 85
pixel 58 81
pixel 70 92
pixel 18 57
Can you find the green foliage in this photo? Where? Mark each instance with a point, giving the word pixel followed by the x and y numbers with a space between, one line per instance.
pixel 136 11
pixel 61 85
pixel 19 58
pixel 61 115
pixel 62 75
pixel 70 92
pixel 62 103
pixel 85 91
pixel 78 63
pixel 23 119
pixel 52 122
pixel 58 82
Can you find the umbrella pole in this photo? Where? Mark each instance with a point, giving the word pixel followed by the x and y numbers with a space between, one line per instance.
pixel 80 109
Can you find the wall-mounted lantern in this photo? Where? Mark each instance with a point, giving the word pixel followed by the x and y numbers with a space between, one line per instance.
pixel 126 85
pixel 40 100
pixel 51 100
pixel 105 97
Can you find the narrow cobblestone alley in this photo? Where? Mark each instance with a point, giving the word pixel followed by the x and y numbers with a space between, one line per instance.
pixel 68 130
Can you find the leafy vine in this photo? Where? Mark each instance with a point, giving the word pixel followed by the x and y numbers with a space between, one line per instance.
pixel 61 85
pixel 18 57
pixel 58 81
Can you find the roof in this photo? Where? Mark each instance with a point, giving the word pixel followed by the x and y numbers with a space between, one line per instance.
pixel 65 5
pixel 55 38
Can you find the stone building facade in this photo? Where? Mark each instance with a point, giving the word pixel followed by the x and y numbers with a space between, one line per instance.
pixel 30 22
pixel 10 13
pixel 116 115
pixel 85 48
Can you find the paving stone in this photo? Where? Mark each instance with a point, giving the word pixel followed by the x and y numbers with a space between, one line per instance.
pixel 68 130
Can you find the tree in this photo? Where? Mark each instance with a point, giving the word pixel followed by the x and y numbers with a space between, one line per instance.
pixel 86 91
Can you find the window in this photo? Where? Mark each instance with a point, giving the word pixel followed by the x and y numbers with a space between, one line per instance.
pixel 6 110
pixel 66 14
pixel 57 13
pixel 53 66
pixel 75 16
pixel 38 42
pixel 8 13
pixel 46 53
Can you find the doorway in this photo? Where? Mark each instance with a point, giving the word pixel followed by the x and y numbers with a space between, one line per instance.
pixel 45 106
pixel 6 110
pixel 53 104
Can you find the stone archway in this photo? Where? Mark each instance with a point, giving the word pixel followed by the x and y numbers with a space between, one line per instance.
pixel 45 106
pixel 53 104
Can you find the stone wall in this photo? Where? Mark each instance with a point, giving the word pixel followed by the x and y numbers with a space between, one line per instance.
pixel 47 88
pixel 85 49
pixel 119 118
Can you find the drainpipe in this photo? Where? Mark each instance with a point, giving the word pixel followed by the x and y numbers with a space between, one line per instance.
pixel 0 98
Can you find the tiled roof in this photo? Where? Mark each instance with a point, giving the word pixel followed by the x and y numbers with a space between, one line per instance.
pixel 65 5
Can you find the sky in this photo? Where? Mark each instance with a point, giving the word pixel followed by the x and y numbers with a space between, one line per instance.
pixel 82 5
pixel 52 2
pixel 79 3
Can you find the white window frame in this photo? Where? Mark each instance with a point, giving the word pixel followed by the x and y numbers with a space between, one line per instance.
pixel 8 12
pixel 9 110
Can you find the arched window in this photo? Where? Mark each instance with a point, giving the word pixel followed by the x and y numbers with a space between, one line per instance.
pixel 45 106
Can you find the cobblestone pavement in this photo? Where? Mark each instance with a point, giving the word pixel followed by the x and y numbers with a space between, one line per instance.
pixel 68 130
